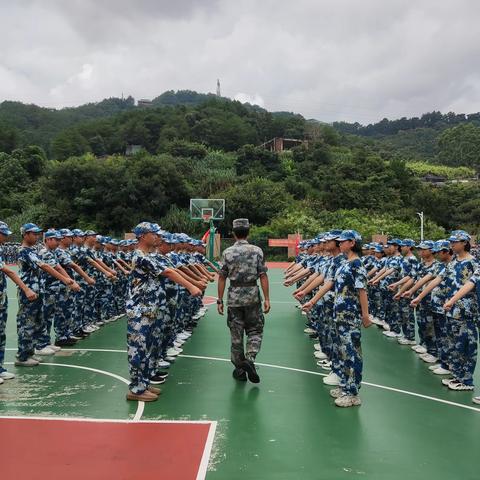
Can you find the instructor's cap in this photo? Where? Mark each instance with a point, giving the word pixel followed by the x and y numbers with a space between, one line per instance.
pixel 241 223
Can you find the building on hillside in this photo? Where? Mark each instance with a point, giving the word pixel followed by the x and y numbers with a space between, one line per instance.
pixel 144 102
pixel 279 144
pixel 133 149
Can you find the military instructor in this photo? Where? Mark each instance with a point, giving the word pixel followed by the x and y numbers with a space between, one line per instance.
pixel 244 264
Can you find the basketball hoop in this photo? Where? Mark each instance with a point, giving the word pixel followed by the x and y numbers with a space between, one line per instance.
pixel 207 214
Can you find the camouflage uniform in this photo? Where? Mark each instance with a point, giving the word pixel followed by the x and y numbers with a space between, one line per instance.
pixel 142 313
pixel 29 316
pixel 461 320
pixel 3 312
pixel 243 264
pixel 349 278
pixel 409 267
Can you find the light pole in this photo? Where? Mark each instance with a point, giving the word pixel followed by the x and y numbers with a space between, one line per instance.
pixel 420 214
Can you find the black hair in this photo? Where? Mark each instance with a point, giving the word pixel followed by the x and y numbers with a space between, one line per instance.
pixel 357 248
pixel 399 247
pixel 468 246
pixel 241 233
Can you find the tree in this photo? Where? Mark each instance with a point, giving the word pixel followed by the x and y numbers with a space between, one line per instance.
pixel 460 146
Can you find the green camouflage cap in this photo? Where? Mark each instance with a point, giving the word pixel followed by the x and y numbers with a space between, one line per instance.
pixel 241 223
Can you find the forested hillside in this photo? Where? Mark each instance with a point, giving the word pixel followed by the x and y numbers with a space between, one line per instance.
pixel 68 168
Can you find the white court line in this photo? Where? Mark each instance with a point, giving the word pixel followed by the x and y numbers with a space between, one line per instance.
pixel 281 367
pixel 207 451
pixel 140 405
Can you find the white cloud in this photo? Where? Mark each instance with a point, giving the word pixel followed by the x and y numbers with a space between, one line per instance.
pixel 254 99
pixel 357 61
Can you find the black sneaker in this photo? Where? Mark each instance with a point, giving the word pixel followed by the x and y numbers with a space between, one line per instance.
pixel 252 374
pixel 161 374
pixel 240 375
pixel 157 380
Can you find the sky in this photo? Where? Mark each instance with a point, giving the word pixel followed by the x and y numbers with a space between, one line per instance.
pixel 336 60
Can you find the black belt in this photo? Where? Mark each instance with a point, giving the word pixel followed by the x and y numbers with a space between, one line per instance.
pixel 243 284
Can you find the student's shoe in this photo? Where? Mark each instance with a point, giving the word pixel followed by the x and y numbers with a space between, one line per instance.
pixel 318 354
pixel 184 336
pixel 391 334
pixel 6 376
pixel 163 364
pixel 309 331
pixel 385 326
pixel 434 367
pixel 426 357
pixel 172 352
pixel 170 359
pixel 178 344
pixel 157 380
pixel 331 379
pixel 317 347
pixel 146 396
pixel 476 400
pixel 240 375
pixel 76 336
pixel 459 386
pixel 29 362
pixel 336 392
pixel 178 349
pixel 89 329
pixel 44 351
pixel 251 371
pixel 325 365
pixel 420 349
pixel 1 381
pixel 154 390
pixel 448 381
pixel 348 401
pixel 405 341
pixel 441 371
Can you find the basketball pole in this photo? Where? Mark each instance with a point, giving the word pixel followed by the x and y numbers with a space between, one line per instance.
pixel 211 241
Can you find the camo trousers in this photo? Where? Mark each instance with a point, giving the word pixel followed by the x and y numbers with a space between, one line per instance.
pixel 247 321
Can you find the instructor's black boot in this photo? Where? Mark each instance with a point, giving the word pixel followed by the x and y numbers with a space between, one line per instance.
pixel 249 367
pixel 240 375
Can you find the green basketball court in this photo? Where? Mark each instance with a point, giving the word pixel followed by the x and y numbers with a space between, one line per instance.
pixel 287 427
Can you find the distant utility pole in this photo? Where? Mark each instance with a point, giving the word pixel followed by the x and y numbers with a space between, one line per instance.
pixel 219 94
pixel 420 214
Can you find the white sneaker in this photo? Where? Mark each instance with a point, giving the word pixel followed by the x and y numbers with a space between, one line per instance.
pixel 89 329
pixel 304 313
pixel 476 400
pixel 178 344
pixel 1 381
pixel 6 376
pixel 309 331
pixel 390 334
pixel 405 341
pixel 336 392
pixel 186 334
pixel 44 351
pixel 172 352
pixel 434 367
pixel 427 358
pixel 385 326
pixel 170 359
pixel 319 355
pixel 29 362
pixel 163 364
pixel 446 381
pixel 348 401
pixel 317 346
pixel 441 371
pixel 460 387
pixel 54 348
pixel 326 365
pixel 178 349
pixel 331 379
pixel 420 349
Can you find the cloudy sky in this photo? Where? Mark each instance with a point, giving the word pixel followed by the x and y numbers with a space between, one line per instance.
pixel 331 60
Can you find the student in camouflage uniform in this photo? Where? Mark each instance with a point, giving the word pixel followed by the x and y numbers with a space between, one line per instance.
pixel 243 264
pixel 30 295
pixel 143 311
pixel 29 316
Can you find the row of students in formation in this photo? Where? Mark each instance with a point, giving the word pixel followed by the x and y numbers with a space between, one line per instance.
pixel 423 296
pixel 74 282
